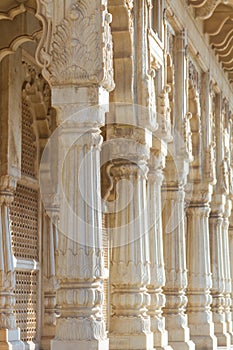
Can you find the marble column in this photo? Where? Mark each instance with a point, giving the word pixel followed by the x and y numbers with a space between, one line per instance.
pixel 81 81
pixel 198 196
pixel 50 284
pixel 217 252
pixel 227 268
pixel 129 263
pixel 199 272
pixel 217 234
pixel 80 259
pixel 175 257
pixel 230 232
pixel 155 179
pixel 9 333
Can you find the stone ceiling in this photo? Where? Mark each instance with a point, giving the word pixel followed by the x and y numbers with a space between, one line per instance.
pixel 217 17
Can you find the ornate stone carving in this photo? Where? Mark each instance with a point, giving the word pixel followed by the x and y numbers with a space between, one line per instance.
pixel 37 95
pixel 210 172
pixel 164 114
pixel 80 50
pixel 188 137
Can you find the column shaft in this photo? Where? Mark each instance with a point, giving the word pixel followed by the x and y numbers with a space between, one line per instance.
pixel 175 263
pixel 227 269
pixel 155 178
pixel 9 333
pixel 80 252
pixel 217 268
pixel 199 277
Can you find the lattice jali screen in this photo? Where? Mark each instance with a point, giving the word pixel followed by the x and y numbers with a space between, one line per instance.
pixel 26 309
pixel 24 223
pixel 28 142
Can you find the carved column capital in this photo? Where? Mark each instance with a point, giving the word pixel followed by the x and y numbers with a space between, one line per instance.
pixel 198 194
pixel 7 187
pixel 80 30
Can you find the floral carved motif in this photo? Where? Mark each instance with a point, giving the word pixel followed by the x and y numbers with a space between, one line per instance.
pixel 80 48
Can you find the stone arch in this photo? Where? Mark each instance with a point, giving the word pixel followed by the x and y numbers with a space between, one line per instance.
pixel 20 25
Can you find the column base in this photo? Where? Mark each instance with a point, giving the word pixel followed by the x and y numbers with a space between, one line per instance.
pixel 202 331
pixel 161 340
pixel 160 333
pixel 48 332
pixel 10 339
pixel 79 345
pixel 132 341
pixel 230 331
pixel 179 333
pixel 220 331
pixel 176 345
pixel 223 339
pixel 205 342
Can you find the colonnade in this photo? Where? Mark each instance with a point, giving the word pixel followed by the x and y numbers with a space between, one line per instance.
pixel 162 127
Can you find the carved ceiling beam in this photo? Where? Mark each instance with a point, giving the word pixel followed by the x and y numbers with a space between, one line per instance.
pixel 197 3
pixel 224 51
pixel 207 10
pixel 215 23
pixel 222 38
pixel 226 58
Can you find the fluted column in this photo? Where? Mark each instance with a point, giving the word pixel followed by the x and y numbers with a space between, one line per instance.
pixel 217 235
pixel 175 258
pixel 130 265
pixel 155 179
pixel 231 256
pixel 199 273
pixel 80 265
pixel 217 268
pixel 9 333
pixel 50 284
pixel 80 82
pixel 227 268
pixel 198 196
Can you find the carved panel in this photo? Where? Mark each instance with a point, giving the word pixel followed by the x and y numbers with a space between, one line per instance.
pixel 194 75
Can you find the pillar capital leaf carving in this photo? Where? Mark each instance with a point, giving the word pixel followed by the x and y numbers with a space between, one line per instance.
pixel 76 47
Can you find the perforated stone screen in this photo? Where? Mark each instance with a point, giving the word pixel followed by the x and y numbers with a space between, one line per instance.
pixel 26 309
pixel 28 142
pixel 24 223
